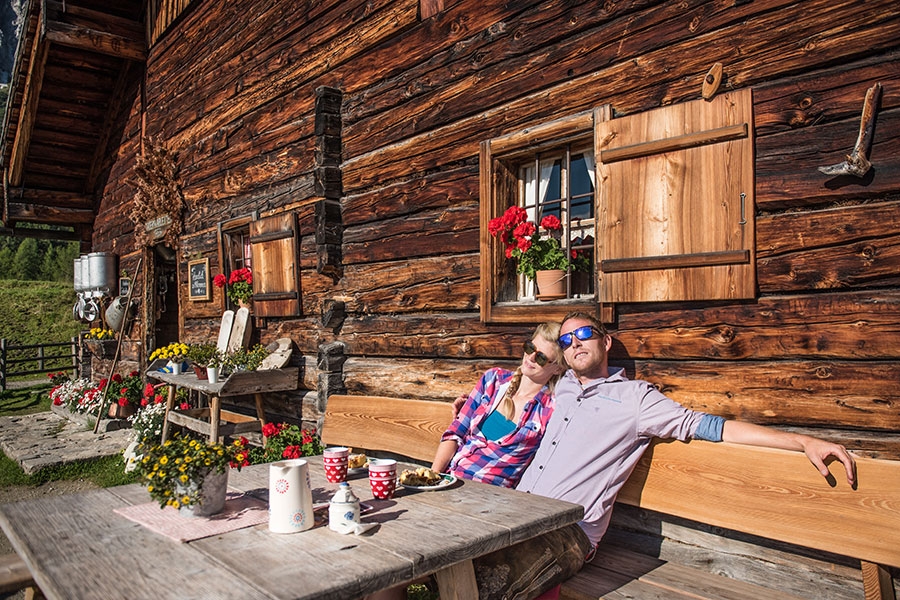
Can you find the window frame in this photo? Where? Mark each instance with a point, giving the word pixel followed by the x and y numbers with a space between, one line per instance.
pixel 225 230
pixel 499 159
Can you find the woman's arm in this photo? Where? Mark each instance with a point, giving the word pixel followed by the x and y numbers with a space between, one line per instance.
pixel 445 452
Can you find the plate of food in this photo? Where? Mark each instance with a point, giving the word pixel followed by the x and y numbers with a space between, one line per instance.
pixel 426 480
pixel 357 463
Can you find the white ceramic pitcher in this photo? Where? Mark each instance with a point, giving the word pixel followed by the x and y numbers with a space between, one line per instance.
pixel 290 497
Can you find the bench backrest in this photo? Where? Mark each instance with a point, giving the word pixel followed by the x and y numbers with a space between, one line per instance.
pixel 775 494
pixel 410 428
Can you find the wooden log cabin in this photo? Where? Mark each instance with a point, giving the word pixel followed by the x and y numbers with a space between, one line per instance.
pixel 352 153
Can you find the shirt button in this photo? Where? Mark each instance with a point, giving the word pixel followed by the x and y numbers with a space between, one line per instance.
pixel 541 467
pixel 566 419
pixel 553 443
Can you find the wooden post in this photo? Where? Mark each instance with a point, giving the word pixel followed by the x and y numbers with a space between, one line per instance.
pixel 3 364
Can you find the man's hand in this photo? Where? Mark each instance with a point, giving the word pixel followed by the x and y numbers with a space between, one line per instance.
pixel 817 451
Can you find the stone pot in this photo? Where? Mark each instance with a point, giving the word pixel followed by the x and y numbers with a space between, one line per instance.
pixel 212 495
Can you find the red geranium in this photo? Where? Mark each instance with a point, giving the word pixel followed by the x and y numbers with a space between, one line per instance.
pixel 238 285
pixel 524 241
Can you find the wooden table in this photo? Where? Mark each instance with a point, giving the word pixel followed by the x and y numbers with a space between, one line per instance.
pixel 209 421
pixel 77 547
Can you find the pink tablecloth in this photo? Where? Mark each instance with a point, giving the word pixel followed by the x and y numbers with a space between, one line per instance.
pixel 240 511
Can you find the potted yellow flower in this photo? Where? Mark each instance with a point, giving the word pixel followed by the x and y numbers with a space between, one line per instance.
pixel 175 353
pixel 189 474
pixel 100 342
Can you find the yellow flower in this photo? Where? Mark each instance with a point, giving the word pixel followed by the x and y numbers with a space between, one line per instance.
pixel 149 488
pixel 184 478
pixel 163 460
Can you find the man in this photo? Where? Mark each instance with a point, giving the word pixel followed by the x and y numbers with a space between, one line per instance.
pixel 601 425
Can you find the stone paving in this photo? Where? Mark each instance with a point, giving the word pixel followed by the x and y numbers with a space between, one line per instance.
pixel 51 438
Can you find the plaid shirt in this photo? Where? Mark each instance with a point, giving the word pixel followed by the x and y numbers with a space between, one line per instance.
pixel 500 462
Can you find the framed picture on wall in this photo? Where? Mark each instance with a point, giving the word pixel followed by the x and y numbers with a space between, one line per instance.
pixel 198 279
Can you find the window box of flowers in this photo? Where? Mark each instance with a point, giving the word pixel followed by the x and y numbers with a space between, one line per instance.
pixel 238 286
pixel 100 342
pixel 188 474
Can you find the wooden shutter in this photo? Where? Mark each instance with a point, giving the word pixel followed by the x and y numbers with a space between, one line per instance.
pixel 676 202
pixel 276 274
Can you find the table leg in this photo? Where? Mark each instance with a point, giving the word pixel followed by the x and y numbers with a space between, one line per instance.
pixel 215 413
pixel 260 414
pixel 457 582
pixel 170 405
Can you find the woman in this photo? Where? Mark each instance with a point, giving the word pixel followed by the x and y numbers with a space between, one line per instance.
pixel 499 428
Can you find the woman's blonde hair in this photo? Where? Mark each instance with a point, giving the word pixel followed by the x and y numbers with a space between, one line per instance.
pixel 548 331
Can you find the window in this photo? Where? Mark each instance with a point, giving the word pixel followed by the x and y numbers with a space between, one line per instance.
pixel 269 246
pixel 660 203
pixel 548 170
pixel 560 182
pixel 234 247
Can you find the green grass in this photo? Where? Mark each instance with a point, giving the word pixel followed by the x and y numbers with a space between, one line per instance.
pixel 25 401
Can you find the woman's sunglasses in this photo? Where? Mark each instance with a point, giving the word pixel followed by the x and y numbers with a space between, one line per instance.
pixel 539 357
pixel 582 333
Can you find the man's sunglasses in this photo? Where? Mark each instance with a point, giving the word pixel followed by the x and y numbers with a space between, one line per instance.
pixel 582 333
pixel 539 357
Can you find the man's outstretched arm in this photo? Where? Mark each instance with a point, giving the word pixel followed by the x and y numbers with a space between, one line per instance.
pixel 817 450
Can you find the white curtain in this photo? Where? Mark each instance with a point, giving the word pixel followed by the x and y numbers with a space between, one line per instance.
pixel 591 167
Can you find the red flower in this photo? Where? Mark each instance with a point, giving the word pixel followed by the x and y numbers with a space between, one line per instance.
pixel 184 406
pixel 270 429
pixel 123 401
pixel 133 374
pixel 292 452
pixel 102 383
pixel 149 390
pixel 116 378
pixel 219 280
pixel 144 402
pixel 158 399
pixel 551 222
pixel 57 401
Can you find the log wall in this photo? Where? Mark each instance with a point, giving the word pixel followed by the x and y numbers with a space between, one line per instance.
pixel 231 88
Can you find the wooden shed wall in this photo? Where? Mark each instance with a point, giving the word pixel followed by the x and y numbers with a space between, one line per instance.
pixel 231 88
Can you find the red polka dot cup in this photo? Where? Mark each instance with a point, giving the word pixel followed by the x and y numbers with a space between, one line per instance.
pixel 335 459
pixel 383 477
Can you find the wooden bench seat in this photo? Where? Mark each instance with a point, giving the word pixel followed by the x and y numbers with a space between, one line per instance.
pixel 771 494
pixel 15 576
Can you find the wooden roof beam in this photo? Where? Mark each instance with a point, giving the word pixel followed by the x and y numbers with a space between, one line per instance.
pixel 49 215
pixel 93 31
pixel 33 82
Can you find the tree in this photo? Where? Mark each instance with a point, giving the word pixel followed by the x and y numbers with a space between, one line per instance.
pixel 27 263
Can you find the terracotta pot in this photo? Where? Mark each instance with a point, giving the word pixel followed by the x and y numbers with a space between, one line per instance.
pixel 120 412
pixel 551 284
pixel 199 371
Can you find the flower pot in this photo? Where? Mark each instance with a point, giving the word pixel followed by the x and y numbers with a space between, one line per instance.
pixel 212 373
pixel 551 284
pixel 120 412
pixel 175 367
pixel 212 495
pixel 200 372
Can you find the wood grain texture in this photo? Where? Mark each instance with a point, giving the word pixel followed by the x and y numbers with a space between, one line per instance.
pixel 416 534
pixel 411 428
pixel 775 494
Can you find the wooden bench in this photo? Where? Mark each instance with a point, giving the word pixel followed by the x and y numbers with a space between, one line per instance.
pixel 772 494
pixel 15 576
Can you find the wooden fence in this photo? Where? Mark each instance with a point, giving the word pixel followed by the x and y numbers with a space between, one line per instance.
pixel 31 359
